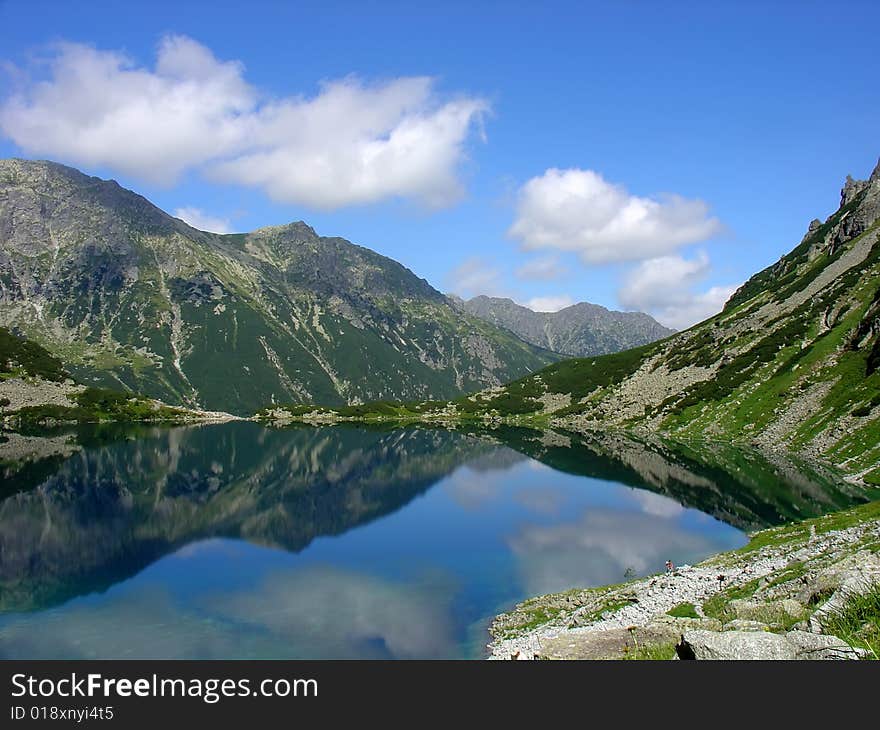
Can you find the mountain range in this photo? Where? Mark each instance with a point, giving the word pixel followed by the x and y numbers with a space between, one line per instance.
pixel 130 298
pixel 579 330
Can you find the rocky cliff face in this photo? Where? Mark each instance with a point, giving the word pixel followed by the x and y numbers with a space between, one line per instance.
pixel 129 297
pixel 579 330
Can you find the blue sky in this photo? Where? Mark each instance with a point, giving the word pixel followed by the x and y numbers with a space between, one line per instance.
pixel 638 155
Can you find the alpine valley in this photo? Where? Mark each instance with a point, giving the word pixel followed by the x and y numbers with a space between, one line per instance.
pixel 792 363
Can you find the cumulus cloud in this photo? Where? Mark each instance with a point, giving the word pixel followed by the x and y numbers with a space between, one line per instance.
pixel 578 210
pixel 197 218
pixel 351 143
pixel 97 108
pixel 549 304
pixel 664 287
pixel 542 269
pixel 475 276
pixel 358 144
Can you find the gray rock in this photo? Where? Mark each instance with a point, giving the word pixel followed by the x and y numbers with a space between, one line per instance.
pixel 683 624
pixel 763 645
pixel 820 646
pixel 792 607
pixel 851 188
pixel 742 624
pixel 726 645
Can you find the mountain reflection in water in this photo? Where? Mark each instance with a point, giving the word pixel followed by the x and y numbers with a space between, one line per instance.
pixel 235 540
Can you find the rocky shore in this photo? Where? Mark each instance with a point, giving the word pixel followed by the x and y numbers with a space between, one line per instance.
pixel 773 599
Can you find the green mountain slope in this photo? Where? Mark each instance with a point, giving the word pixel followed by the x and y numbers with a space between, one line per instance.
pixel 792 363
pixel 580 330
pixel 128 296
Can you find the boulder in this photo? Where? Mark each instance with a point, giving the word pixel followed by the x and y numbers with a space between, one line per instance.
pixel 727 645
pixel 763 645
pixel 821 646
pixel 604 644
pixel 792 608
pixel 774 612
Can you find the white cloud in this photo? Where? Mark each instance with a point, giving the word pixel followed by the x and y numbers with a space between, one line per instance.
pixel 356 144
pixel 542 269
pixel 351 143
pixel 473 277
pixel 197 218
pixel 549 304
pixel 663 286
pixel 578 210
pixel 98 109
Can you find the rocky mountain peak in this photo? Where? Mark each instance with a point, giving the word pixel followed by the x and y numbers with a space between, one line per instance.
pixel 294 231
pixel 851 188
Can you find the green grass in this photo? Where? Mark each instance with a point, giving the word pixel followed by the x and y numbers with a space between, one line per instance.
pixel 651 652
pixel 858 622
pixel 99 404
pixel 581 376
pixel 718 605
pixel 607 607
pixel 683 610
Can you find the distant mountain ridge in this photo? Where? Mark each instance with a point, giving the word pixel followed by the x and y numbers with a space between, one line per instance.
pixel 580 330
pixel 129 297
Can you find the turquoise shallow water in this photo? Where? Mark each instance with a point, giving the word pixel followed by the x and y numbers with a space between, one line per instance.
pixel 238 541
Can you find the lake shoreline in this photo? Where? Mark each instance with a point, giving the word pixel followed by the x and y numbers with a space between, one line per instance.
pixel 777 590
pixel 281 417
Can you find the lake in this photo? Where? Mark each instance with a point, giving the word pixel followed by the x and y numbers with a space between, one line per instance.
pixel 240 541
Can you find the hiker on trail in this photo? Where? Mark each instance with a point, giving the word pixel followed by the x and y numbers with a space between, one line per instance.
pixel 669 566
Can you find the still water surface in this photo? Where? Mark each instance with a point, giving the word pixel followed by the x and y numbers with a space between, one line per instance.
pixel 236 541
